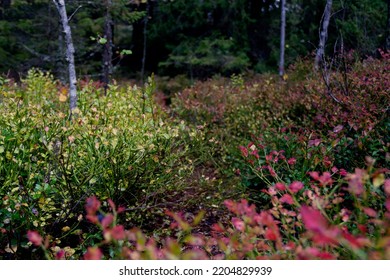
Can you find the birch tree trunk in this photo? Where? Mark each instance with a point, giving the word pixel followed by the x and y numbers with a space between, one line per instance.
pixel 60 5
pixel 323 33
pixel 107 54
pixel 282 37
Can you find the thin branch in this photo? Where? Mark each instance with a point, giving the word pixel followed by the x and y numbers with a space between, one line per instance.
pixel 74 13
pixel 37 54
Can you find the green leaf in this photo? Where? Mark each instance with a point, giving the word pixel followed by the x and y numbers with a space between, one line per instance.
pixel 102 41
pixel 126 52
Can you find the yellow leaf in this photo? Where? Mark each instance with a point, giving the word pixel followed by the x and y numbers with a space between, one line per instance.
pixel 11 249
pixel 69 251
pixel 65 229
pixel 378 180
pixel 14 189
pixel 198 218
pixel 8 155
pixel 64 90
pixel 42 201
pixel 63 98
pixel 76 111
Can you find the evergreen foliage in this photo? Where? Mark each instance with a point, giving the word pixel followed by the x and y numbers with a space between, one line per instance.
pixel 197 38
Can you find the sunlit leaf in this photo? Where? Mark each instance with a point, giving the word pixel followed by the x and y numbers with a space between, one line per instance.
pixel 378 180
pixel 65 229
pixel 62 98
pixel 102 41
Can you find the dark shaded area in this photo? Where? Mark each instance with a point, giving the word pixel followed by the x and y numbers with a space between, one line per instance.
pixel 195 38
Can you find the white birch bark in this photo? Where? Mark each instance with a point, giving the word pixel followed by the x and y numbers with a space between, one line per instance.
pixel 60 5
pixel 323 33
pixel 282 37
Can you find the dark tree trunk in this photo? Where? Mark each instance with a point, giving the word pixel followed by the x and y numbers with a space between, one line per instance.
pixel 107 54
pixel 388 27
pixel 144 42
pixel 282 37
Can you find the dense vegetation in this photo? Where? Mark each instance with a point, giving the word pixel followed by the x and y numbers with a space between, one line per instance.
pixel 311 172
pixel 215 156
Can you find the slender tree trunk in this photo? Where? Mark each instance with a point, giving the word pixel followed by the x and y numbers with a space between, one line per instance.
pixel 282 37
pixel 323 33
pixel 60 5
pixel 145 37
pixel 107 54
pixel 388 27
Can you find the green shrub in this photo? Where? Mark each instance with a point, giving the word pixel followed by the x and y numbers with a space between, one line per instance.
pixel 119 147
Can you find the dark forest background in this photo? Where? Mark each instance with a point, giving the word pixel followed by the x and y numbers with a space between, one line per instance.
pixel 198 38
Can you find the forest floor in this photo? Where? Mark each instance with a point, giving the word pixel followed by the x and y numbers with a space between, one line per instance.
pixel 206 191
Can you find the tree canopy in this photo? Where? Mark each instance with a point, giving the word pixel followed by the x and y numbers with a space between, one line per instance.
pixel 196 38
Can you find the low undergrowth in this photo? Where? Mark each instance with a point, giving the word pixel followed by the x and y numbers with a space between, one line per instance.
pixel 249 167
pixel 304 222
pixel 118 146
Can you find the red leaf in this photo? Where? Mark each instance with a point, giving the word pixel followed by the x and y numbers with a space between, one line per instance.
pixel 292 161
pixel 92 205
pixel 313 219
pixel 111 203
pixel 315 175
pixel 244 151
pixel 286 198
pixel 355 242
pixel 386 186
pixel 238 224
pixel 93 253
pixel 338 128
pixel 118 232
pixel 34 237
pixel 369 212
pixel 60 255
pixel 387 204
pixel 296 186
pixel 280 186
pixel 271 171
pixel 217 228
pixel 325 179
pixel 314 142
pixel 107 220
pixel 270 235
